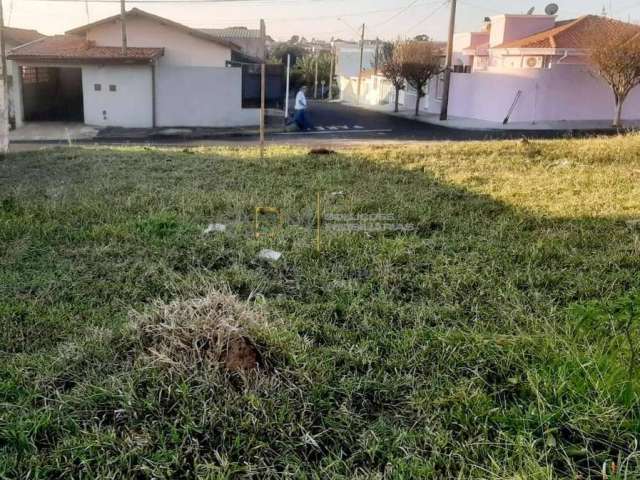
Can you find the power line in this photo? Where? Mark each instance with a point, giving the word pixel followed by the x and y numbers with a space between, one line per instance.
pixel 393 17
pixel 438 8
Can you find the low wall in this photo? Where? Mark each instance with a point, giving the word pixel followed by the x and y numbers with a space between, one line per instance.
pixel 123 98
pixel 564 92
pixel 201 97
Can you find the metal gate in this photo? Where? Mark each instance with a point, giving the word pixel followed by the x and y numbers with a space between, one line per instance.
pixel 251 81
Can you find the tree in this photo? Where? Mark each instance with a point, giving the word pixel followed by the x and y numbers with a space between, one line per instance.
pixel 280 51
pixel 306 67
pixel 616 59
pixel 419 62
pixel 391 68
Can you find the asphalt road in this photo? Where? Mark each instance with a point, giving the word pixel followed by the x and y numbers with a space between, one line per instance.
pixel 337 125
pixel 335 121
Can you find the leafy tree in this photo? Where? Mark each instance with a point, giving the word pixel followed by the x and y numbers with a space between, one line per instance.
pixel 419 62
pixel 616 59
pixel 306 67
pixel 391 68
pixel 280 51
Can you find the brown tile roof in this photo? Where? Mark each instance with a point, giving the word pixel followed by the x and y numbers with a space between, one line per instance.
pixel 75 49
pixel 136 12
pixel 580 33
pixel 232 33
pixel 20 36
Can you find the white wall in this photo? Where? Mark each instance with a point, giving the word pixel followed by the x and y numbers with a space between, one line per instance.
pixel 562 93
pixel 131 105
pixel 181 48
pixel 348 60
pixel 201 97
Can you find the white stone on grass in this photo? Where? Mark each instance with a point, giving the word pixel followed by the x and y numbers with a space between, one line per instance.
pixel 270 255
pixel 215 228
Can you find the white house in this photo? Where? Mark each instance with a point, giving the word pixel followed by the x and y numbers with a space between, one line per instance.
pixel 171 75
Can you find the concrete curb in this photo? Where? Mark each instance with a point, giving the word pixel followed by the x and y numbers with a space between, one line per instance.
pixel 153 138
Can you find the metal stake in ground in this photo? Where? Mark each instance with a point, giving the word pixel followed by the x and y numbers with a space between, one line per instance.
pixel 263 89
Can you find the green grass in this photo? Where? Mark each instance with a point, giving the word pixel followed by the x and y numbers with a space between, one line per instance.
pixel 488 343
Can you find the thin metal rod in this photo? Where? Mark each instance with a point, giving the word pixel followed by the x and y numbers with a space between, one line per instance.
pixel 263 101
pixel 286 99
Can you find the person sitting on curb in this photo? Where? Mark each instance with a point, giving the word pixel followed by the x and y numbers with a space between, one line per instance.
pixel 301 117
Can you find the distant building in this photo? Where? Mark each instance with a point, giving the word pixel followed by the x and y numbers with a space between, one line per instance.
pixel 251 42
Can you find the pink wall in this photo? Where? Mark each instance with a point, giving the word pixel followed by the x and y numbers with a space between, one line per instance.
pixel 505 28
pixel 564 92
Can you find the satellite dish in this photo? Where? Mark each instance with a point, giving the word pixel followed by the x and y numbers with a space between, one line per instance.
pixel 551 9
pixel 531 10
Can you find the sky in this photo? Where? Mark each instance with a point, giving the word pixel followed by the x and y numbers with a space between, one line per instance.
pixel 322 19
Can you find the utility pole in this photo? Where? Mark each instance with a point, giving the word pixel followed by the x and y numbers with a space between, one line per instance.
pixel 361 60
pixel 444 113
pixel 331 71
pixel 4 121
pixel 123 14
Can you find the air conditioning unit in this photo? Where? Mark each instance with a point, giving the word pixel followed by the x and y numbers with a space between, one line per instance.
pixel 532 62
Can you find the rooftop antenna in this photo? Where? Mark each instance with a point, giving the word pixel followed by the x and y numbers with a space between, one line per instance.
pixel 531 10
pixel 551 9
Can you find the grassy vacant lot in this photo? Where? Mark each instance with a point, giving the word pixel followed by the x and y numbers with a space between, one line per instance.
pixel 497 340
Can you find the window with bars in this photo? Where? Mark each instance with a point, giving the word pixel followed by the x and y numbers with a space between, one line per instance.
pixel 32 75
pixel 29 74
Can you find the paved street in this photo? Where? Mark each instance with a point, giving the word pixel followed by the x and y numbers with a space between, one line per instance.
pixel 338 121
pixel 335 125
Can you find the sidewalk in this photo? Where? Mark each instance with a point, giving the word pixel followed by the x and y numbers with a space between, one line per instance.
pixel 69 133
pixel 471 124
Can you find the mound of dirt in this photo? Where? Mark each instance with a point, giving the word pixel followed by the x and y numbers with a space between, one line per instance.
pixel 208 332
pixel 321 151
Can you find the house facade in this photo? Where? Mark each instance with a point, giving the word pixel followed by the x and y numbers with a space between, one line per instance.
pixel 532 68
pixel 535 68
pixel 170 76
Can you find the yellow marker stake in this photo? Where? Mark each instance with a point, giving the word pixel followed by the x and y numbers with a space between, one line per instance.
pixel 318 221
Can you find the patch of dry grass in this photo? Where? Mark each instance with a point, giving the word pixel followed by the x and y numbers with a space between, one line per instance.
pixel 209 332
